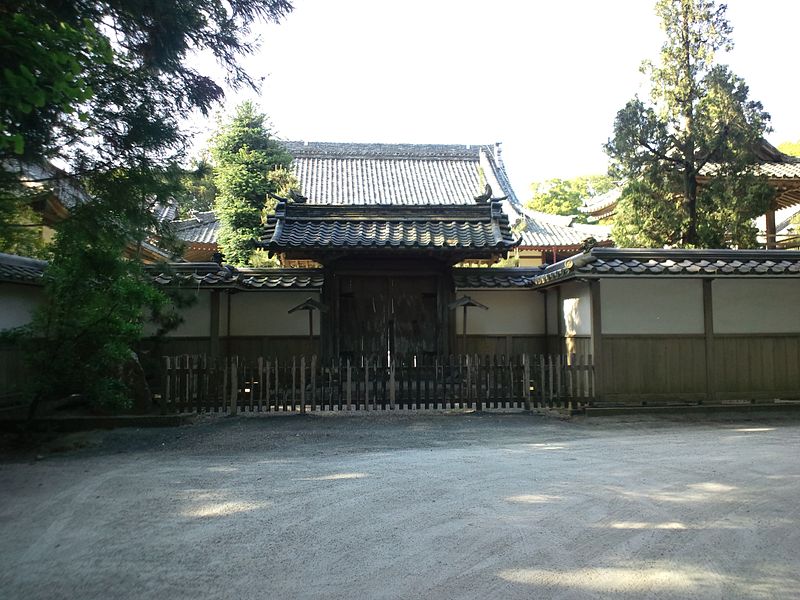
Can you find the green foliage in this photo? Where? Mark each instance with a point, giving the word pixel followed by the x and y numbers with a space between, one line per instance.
pixel 248 166
pixel 21 228
pixel 44 70
pixel 102 87
pixel 198 190
pixel 698 117
pixel 791 148
pixel 84 332
pixel 565 196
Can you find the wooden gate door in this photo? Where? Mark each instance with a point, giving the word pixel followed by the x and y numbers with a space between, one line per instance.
pixel 382 316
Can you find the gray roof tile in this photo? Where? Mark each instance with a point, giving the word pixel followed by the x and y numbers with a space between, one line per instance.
pixel 404 174
pixel 472 228
pixel 467 278
pixel 201 228
pixel 678 263
pixel 213 275
pixel 21 269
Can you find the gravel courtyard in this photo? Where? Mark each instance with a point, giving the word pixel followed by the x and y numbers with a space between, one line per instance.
pixel 440 506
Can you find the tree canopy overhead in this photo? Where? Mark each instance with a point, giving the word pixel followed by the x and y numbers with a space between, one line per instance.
pixel 697 121
pixel 92 73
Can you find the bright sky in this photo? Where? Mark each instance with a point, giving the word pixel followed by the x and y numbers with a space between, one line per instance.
pixel 544 78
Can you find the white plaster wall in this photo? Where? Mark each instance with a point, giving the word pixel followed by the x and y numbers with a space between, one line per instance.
pixel 512 312
pixel 266 313
pixel 649 306
pixel 756 305
pixel 17 303
pixel 553 311
pixel 576 309
pixel 196 318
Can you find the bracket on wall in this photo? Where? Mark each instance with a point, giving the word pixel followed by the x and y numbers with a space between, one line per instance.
pixel 465 302
pixel 310 305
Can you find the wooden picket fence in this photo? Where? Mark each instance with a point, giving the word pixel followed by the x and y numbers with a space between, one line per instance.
pixel 192 383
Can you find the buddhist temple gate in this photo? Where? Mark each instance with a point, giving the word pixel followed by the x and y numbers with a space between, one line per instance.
pixel 388 268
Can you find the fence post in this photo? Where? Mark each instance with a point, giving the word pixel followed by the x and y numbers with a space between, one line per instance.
pixel 167 383
pixel 234 380
pixel 569 400
pixel 313 382
pixel 260 382
pixel 526 381
pixel 349 385
pixel 366 383
pixel 277 394
pixel 542 382
pixel 294 381
pixel 391 384
pixel 302 385
pixel 225 383
pixel 266 386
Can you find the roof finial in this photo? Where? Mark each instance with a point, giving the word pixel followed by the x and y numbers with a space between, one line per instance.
pixel 485 196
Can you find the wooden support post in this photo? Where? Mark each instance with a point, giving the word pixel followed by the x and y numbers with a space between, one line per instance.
pixel 464 331
pixel 597 340
pixel 771 230
pixel 708 327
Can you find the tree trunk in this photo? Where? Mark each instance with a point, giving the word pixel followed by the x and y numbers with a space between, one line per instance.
pixel 690 204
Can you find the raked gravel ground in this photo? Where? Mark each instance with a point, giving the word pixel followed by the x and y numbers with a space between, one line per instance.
pixel 440 506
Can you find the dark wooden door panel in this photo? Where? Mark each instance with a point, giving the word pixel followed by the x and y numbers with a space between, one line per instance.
pixel 395 314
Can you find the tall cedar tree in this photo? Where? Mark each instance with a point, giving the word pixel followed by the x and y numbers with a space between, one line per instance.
pixel 698 119
pixel 102 87
pixel 247 164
